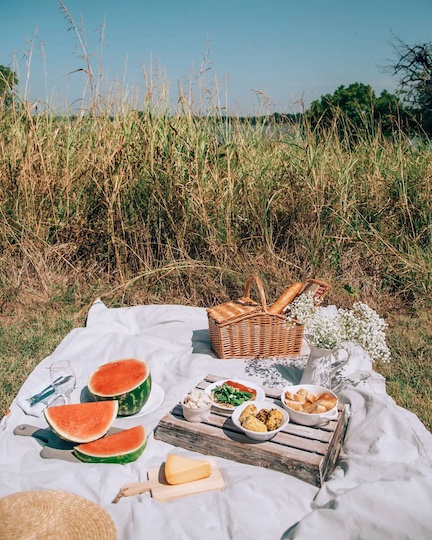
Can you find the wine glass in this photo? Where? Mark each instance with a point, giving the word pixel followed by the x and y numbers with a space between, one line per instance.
pixel 63 380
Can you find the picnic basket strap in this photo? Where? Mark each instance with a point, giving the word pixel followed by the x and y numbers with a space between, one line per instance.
pixel 246 297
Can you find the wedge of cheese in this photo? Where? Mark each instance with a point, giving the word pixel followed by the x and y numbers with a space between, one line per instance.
pixel 180 470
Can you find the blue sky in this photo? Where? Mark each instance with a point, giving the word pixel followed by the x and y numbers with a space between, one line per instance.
pixel 274 53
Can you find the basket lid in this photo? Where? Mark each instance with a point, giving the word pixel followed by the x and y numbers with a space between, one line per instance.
pixel 49 515
pixel 243 306
pixel 232 310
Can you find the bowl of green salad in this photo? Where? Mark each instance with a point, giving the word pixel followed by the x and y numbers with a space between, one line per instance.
pixel 227 394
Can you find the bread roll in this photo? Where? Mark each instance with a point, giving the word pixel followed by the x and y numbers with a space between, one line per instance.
pixel 327 395
pixel 318 408
pixel 311 397
pixel 327 403
pixel 295 397
pixel 286 298
pixel 308 408
pixel 295 405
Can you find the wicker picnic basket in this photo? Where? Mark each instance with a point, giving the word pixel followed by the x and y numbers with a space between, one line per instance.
pixel 317 288
pixel 245 329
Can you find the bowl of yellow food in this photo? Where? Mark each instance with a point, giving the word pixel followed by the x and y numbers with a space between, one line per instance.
pixel 310 404
pixel 260 420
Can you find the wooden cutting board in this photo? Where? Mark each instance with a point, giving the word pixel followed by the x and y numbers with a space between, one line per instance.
pixel 53 446
pixel 164 492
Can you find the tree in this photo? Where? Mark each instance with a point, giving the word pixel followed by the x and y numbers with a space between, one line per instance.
pixel 354 101
pixel 8 80
pixel 391 113
pixel 414 67
pixel 358 104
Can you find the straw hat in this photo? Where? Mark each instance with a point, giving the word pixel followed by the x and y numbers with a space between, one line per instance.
pixel 50 515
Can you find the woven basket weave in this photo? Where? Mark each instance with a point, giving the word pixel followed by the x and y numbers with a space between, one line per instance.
pixel 317 288
pixel 53 515
pixel 245 329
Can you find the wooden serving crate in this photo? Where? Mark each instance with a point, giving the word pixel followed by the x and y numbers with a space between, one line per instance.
pixel 308 453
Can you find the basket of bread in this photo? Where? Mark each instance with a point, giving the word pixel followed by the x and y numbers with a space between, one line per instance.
pixel 246 328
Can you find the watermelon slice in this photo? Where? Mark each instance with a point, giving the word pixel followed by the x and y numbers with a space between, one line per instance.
pixel 122 447
pixel 82 422
pixel 128 381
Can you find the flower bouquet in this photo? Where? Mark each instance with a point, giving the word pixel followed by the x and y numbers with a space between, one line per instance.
pixel 328 327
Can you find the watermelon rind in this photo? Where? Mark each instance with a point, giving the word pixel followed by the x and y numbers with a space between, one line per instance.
pixel 101 451
pixel 81 422
pixel 130 401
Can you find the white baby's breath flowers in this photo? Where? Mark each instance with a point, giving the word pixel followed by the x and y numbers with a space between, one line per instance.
pixel 329 328
pixel 324 330
pixel 364 326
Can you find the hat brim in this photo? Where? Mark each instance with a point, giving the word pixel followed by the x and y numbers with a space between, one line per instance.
pixel 49 514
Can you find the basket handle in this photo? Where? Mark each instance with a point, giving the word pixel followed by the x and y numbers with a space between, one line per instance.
pixel 246 297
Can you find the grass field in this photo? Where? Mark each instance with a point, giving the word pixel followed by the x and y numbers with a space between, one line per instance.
pixel 181 208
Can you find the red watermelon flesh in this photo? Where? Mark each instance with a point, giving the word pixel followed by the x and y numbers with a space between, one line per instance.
pixel 82 422
pixel 122 447
pixel 118 377
pixel 127 380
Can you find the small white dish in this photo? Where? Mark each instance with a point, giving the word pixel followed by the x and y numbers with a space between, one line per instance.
pixel 308 419
pixel 259 435
pixel 193 413
pixel 260 394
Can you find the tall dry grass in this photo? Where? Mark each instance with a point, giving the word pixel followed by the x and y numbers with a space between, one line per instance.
pixel 126 197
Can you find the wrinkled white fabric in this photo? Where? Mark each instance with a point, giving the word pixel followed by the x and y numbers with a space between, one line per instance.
pixel 381 487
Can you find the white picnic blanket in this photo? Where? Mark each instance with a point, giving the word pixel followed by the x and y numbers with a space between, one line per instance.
pixel 381 487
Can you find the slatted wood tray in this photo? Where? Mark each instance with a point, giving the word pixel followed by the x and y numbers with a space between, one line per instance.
pixel 309 453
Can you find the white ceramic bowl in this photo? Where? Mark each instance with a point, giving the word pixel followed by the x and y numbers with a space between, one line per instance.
pixel 258 435
pixel 193 414
pixel 306 419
